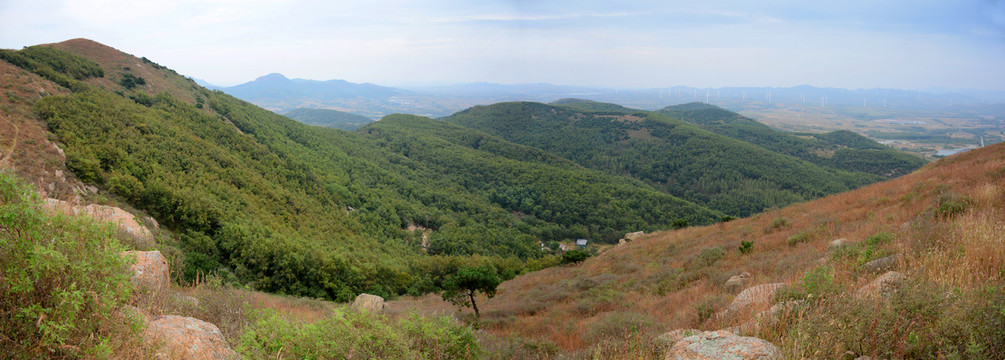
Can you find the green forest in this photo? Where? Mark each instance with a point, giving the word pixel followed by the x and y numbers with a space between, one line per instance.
pixel 732 170
pixel 284 207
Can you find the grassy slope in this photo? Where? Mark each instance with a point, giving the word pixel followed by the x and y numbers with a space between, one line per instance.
pixel 661 283
pixel 673 156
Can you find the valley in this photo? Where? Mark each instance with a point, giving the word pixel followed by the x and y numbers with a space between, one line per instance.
pixel 273 225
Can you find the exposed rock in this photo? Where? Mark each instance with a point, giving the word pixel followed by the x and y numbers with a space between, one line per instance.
pixel 837 244
pixel 737 282
pixel 629 237
pixel 368 302
pixel 883 264
pixel 667 340
pixel 722 345
pixel 754 295
pixel 883 285
pixel 92 189
pixel 121 218
pixel 188 338
pixel 768 317
pixel 150 273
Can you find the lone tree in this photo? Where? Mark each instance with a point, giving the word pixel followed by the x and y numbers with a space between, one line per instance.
pixel 460 288
pixel 575 256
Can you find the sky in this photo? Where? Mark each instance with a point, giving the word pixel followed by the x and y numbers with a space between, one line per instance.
pixel 915 44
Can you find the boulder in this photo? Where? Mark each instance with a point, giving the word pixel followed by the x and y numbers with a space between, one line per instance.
pixel 883 264
pixel 737 282
pixel 368 302
pixel 149 272
pixel 883 285
pixel 121 218
pixel 722 345
pixel 629 237
pixel 837 244
pixel 187 338
pixel 754 295
pixel 667 340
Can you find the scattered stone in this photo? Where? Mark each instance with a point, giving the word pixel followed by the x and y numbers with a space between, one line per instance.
pixel 92 189
pixel 883 264
pixel 368 302
pixel 188 338
pixel 722 345
pixel 667 340
pixel 737 282
pixel 883 285
pixel 150 273
pixel 837 244
pixel 59 174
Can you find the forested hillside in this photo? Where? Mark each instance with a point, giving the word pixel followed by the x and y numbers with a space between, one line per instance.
pixel 726 174
pixel 285 207
pixel 841 149
pixel 328 118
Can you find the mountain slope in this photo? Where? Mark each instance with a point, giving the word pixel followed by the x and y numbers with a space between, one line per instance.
pixel 328 118
pixel 285 207
pixel 843 149
pixel 944 221
pixel 674 156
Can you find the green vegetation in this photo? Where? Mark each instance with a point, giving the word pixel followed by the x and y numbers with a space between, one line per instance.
pixel 722 173
pixel 575 256
pixel 63 279
pixel 461 287
pixel 57 66
pixel 746 247
pixel 346 334
pixel 328 118
pixel 839 150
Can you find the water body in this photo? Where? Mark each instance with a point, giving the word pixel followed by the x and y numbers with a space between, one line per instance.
pixel 948 152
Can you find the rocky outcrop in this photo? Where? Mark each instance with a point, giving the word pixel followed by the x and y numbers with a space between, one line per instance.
pixel 121 218
pixel 629 237
pixel 737 282
pixel 754 295
pixel 883 285
pixel 883 264
pixel 368 302
pixel 149 272
pixel 187 338
pixel 722 345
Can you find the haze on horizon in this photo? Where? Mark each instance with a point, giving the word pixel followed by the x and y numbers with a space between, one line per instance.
pixel 635 44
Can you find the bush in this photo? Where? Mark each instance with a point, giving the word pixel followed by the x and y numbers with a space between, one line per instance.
pixel 575 256
pixel 948 204
pixel 62 276
pixel 778 223
pixel 746 247
pixel 709 256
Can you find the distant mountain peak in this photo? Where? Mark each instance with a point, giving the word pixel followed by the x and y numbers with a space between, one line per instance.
pixel 272 77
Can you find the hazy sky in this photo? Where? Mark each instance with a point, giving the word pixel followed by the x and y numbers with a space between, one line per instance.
pixel 852 44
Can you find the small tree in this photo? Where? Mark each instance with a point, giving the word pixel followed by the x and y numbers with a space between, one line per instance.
pixel 461 287
pixel 746 247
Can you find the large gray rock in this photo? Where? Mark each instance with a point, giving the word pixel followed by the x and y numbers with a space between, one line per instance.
pixel 754 295
pixel 837 244
pixel 883 285
pixel 187 338
pixel 883 264
pixel 722 345
pixel 150 275
pixel 667 340
pixel 368 302
pixel 629 237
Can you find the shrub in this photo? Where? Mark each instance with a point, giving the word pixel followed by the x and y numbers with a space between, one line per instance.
pixel 948 204
pixel 778 223
pixel 680 223
pixel 746 247
pixel 709 256
pixel 575 256
pixel 62 276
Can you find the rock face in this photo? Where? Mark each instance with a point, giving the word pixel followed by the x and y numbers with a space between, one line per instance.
pixel 368 302
pixel 722 345
pixel 121 218
pixel 629 237
pixel 883 264
pixel 150 273
pixel 188 338
pixel 754 295
pixel 737 282
pixel 883 285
